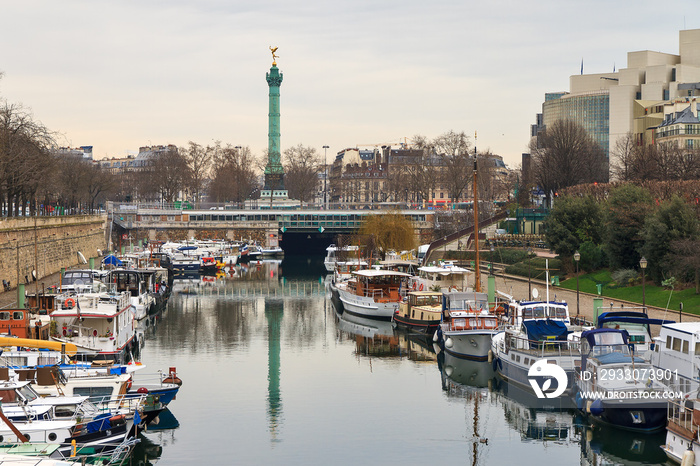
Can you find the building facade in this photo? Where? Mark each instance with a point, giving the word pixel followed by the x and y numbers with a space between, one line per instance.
pixel 633 100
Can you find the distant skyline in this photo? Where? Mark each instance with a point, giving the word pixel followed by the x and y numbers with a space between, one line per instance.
pixel 120 75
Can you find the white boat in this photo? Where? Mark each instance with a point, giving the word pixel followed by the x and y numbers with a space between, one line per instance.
pixel 271 251
pixel 467 326
pixel 373 293
pixel 536 330
pixel 682 430
pixel 335 254
pixel 101 323
pixel 677 352
pixel 81 280
pixel 445 276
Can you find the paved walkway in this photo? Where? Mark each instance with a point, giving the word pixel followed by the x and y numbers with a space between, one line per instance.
pixel 518 288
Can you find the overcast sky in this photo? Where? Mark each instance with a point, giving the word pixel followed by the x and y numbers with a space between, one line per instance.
pixel 118 75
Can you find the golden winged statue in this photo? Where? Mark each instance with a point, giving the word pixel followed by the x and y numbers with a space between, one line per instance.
pixel 274 56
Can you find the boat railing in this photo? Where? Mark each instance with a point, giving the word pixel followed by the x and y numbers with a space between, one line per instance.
pixel 682 416
pixel 542 348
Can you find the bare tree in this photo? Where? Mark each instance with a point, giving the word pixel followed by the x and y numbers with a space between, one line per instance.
pixel 623 158
pixel 302 166
pixel 235 174
pixel 565 155
pixel 171 175
pixel 199 160
pixel 453 150
pixel 24 157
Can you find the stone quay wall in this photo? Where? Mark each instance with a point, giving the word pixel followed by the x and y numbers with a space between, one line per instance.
pixel 47 244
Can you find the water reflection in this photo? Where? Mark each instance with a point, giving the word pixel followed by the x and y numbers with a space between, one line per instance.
pixel 273 314
pixel 280 358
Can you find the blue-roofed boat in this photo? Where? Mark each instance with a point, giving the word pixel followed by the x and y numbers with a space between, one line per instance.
pixel 638 325
pixel 537 331
pixel 615 386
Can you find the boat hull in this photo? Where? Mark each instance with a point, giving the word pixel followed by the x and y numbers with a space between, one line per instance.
pixel 362 306
pixel 626 414
pixel 428 327
pixel 473 345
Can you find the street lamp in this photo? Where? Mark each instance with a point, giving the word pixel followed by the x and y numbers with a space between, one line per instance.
pixel 325 177
pixel 577 257
pixel 529 277
pixel 643 265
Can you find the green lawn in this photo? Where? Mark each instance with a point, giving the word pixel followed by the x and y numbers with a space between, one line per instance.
pixel 656 296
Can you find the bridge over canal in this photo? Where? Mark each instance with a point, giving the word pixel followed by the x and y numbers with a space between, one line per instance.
pixel 300 230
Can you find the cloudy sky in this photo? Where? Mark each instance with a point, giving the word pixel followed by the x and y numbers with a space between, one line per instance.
pixel 118 75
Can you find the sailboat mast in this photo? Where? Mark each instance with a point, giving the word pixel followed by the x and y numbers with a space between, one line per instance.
pixel 477 268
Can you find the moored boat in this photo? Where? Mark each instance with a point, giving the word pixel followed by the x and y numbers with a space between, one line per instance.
pixel 421 312
pixel 372 293
pixel 467 325
pixel 613 386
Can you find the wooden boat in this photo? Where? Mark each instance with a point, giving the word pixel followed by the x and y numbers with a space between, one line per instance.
pixel 373 293
pixel 421 312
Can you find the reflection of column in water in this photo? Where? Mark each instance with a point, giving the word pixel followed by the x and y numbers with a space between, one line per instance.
pixel 273 314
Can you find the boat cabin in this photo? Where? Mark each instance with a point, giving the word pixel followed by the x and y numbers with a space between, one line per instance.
pixel 80 281
pixel 637 324
pixel 422 305
pixel 520 311
pixel 15 322
pixel 677 349
pixel 381 285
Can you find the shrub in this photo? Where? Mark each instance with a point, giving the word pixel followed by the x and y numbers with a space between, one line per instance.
pixel 624 277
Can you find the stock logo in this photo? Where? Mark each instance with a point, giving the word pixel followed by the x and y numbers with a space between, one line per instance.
pixel 551 371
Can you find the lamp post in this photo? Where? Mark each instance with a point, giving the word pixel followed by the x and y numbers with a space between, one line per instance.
pixel 577 257
pixel 643 265
pixel 325 177
pixel 491 268
pixel 529 277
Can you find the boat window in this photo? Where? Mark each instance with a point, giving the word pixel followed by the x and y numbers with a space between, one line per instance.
pixel 668 342
pixel 95 393
pixel 472 323
pixel 685 346
pixel 4 315
pixel 608 338
pixel 676 344
pixel 557 312
pixel 490 323
pixel 28 393
pixel 697 348
pixel 18 315
pixel 538 312
pixel 421 316
pixel 527 313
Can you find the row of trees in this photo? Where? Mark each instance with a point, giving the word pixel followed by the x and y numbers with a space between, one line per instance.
pixel 664 161
pixel 626 225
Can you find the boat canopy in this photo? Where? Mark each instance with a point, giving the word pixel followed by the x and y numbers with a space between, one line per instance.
pixel 370 273
pixel 546 329
pixel 630 317
pixel 112 260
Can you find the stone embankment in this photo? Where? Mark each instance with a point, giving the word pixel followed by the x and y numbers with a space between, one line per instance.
pixel 41 246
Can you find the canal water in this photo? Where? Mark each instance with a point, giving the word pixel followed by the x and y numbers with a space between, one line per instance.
pixel 273 374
